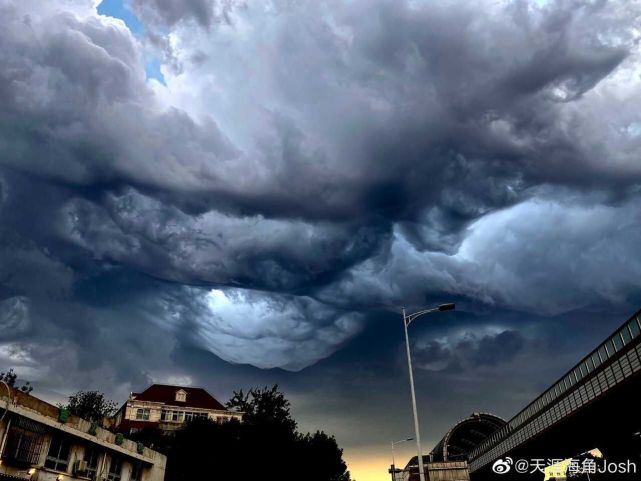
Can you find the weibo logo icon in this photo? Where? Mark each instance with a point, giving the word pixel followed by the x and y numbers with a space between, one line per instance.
pixel 502 466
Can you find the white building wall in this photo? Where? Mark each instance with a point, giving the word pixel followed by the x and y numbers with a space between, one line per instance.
pixel 76 430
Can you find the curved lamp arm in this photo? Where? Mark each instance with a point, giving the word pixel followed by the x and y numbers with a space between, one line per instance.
pixel 443 307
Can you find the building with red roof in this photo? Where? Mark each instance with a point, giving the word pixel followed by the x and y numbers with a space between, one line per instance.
pixel 168 407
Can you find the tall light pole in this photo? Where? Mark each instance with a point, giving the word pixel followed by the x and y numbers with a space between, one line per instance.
pixel 394 443
pixel 407 320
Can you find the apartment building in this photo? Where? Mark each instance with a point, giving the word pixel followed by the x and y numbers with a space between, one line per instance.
pixel 40 442
pixel 168 407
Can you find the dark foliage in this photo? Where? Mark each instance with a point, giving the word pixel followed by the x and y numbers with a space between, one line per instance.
pixel 153 438
pixel 266 445
pixel 266 406
pixel 10 377
pixel 321 458
pixel 91 405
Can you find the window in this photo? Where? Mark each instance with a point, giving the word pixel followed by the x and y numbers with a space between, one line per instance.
pixel 142 414
pixel 58 456
pixel 618 343
pixel 634 327
pixel 181 396
pixel 625 334
pixel 23 446
pixel 173 416
pixel 191 415
pixel 136 471
pixel 115 469
pixel 92 456
pixel 596 360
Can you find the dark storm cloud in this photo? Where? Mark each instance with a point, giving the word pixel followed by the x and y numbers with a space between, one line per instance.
pixel 467 350
pixel 549 256
pixel 307 163
pixel 410 100
pixel 14 317
pixel 214 248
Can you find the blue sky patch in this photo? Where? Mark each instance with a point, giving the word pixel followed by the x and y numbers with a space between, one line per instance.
pixel 119 9
pixel 152 70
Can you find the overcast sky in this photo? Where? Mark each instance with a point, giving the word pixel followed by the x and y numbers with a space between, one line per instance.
pixel 235 193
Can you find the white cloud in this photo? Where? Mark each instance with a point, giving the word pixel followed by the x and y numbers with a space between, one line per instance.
pixel 262 329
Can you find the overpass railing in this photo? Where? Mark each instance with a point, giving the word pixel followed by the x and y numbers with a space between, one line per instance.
pixel 615 359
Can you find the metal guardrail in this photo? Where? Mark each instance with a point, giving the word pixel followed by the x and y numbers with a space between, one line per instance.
pixel 611 362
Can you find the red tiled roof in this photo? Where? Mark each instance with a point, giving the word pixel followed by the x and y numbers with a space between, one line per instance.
pixel 196 396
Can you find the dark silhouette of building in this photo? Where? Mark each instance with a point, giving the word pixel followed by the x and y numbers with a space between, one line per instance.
pixel 466 435
pixel 593 405
pixel 448 460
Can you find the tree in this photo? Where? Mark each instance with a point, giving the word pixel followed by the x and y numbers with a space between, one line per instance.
pixel 91 405
pixel 266 444
pixel 152 437
pixel 10 377
pixel 322 452
pixel 264 407
pixel 206 450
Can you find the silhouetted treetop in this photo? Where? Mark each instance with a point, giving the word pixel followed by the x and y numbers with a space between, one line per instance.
pixel 10 377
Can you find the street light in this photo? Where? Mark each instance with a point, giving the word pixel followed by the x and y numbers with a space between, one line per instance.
pixel 394 443
pixel 407 320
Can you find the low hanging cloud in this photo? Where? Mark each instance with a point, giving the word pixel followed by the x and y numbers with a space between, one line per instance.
pixel 264 330
pixel 556 256
pixel 216 248
pixel 546 255
pixel 306 164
